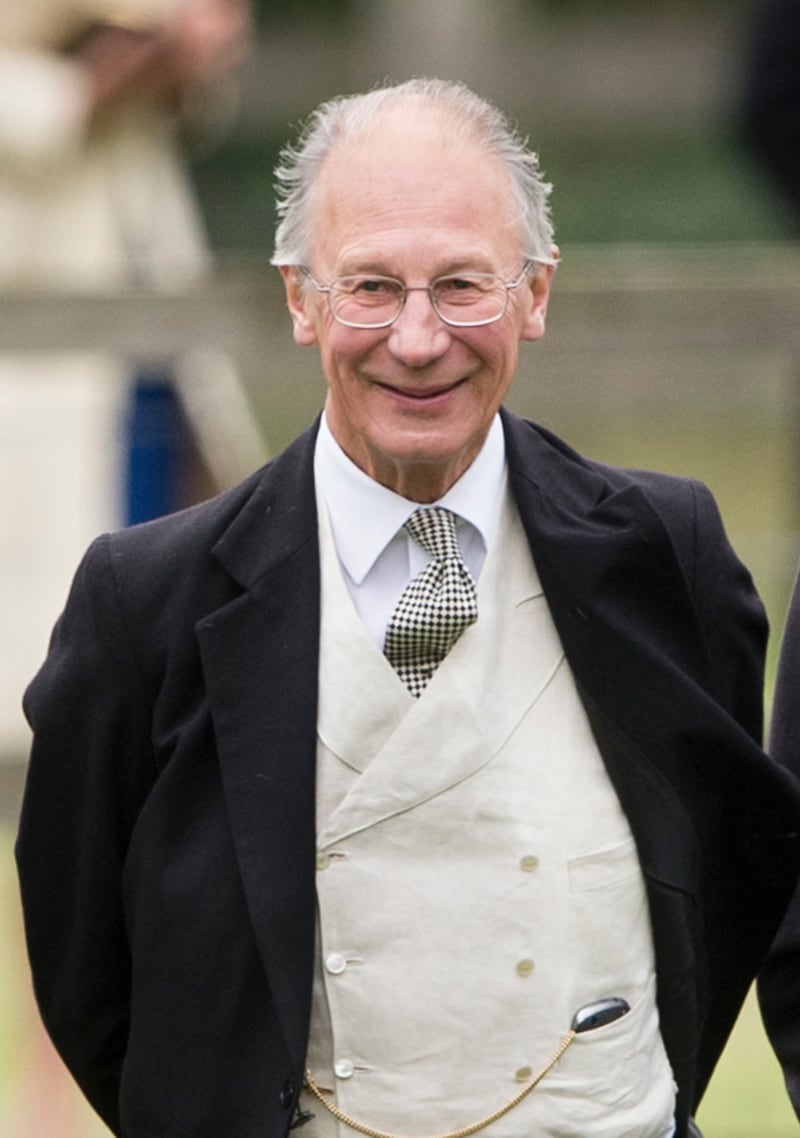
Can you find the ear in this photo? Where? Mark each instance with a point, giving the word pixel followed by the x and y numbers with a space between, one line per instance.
pixel 540 283
pixel 299 303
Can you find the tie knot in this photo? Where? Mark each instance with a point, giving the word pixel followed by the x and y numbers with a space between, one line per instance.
pixel 434 528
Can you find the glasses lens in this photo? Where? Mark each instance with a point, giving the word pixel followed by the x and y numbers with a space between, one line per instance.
pixel 477 298
pixel 366 301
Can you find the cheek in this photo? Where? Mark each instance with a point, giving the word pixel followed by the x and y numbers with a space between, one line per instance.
pixel 342 360
pixel 501 359
pixel 350 349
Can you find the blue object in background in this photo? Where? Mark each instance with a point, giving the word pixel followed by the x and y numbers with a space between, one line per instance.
pixel 157 445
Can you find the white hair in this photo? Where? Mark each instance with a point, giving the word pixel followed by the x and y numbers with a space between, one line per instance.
pixel 472 118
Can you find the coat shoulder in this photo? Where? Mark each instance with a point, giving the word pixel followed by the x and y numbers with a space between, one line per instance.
pixel 181 544
pixel 559 471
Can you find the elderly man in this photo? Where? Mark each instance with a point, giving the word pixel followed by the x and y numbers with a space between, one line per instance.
pixel 414 787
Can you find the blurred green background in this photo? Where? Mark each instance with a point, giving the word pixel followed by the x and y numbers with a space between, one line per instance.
pixel 634 109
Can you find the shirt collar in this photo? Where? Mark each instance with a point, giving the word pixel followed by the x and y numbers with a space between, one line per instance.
pixel 365 516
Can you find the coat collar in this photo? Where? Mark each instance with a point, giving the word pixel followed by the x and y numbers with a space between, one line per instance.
pixel 612 574
pixel 278 520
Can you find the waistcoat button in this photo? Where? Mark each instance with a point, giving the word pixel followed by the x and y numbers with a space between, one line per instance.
pixel 335 963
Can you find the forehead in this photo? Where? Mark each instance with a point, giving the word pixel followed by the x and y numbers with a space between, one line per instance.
pixel 409 190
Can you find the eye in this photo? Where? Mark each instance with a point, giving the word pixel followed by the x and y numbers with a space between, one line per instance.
pixel 370 288
pixel 458 284
pixel 461 290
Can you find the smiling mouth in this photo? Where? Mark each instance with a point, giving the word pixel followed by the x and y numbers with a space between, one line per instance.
pixel 422 395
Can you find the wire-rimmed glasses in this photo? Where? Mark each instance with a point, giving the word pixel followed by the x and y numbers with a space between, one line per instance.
pixel 462 300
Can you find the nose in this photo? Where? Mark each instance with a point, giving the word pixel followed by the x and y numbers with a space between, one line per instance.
pixel 418 337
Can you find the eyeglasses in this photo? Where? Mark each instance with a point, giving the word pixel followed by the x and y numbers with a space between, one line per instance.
pixel 462 300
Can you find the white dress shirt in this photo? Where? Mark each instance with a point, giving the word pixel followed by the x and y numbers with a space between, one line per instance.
pixel 377 556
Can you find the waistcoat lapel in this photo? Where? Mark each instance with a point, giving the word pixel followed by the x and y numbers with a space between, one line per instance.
pixel 401 751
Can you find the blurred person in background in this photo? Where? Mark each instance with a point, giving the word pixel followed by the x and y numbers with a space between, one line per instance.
pixel 771 107
pixel 94 95
pixel 415 785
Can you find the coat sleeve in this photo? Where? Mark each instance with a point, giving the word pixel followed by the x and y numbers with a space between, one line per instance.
pixel 90 768
pixel 732 615
pixel 779 980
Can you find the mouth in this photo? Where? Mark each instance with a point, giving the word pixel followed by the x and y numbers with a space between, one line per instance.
pixel 422 397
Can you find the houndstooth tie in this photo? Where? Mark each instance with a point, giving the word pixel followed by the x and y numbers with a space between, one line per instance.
pixel 436 606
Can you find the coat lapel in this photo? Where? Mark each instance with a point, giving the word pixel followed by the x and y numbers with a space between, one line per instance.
pixel 621 598
pixel 609 570
pixel 618 597
pixel 260 662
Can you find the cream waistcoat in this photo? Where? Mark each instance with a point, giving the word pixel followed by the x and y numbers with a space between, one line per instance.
pixel 477 884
